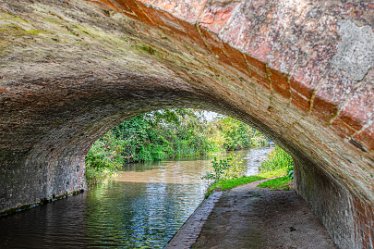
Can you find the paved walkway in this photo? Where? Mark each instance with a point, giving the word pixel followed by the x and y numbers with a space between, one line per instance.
pixel 252 218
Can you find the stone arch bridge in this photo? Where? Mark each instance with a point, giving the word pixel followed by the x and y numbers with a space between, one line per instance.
pixel 299 70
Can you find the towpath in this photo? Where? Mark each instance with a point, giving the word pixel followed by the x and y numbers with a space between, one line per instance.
pixel 253 218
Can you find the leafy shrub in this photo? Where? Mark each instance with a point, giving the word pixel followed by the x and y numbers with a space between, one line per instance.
pixel 219 167
pixel 229 168
pixel 104 157
pixel 171 134
pixel 278 159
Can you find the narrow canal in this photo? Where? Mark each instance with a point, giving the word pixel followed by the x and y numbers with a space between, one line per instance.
pixel 142 207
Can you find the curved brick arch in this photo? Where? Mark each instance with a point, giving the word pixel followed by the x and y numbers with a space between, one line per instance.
pixel 300 71
pixel 317 56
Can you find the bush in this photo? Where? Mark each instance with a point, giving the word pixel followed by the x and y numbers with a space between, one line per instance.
pixel 104 157
pixel 219 168
pixel 279 163
pixel 278 159
pixel 229 168
pixel 172 134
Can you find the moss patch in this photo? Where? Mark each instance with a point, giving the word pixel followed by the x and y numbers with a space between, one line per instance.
pixel 147 49
pixel 13 30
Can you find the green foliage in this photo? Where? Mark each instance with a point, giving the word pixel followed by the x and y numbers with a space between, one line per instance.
pixel 171 134
pixel 281 183
pixel 258 139
pixel 164 134
pixel 279 163
pixel 219 168
pixel 236 168
pixel 227 184
pixel 104 157
pixel 278 159
pixel 228 168
pixel 273 173
pixel 236 135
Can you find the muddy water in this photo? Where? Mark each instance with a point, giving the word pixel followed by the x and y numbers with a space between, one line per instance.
pixel 142 207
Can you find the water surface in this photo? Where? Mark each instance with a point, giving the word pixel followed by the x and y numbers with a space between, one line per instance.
pixel 142 207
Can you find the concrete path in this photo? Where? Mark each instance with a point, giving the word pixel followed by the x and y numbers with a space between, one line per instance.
pixel 253 218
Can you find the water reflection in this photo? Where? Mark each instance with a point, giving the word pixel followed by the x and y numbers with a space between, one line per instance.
pixel 142 207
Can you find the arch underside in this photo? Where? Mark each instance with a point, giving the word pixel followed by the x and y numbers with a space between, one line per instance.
pixel 71 71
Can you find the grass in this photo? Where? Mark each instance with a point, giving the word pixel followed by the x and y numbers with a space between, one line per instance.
pixel 227 184
pixel 279 164
pixel 275 168
pixel 273 173
pixel 277 159
pixel 280 183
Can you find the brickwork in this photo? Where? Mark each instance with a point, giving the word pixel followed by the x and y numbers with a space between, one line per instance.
pixel 300 71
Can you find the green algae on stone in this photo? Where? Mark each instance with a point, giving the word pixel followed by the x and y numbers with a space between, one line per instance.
pixel 17 31
pixel 146 48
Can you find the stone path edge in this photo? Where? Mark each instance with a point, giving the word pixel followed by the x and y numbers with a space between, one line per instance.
pixel 190 230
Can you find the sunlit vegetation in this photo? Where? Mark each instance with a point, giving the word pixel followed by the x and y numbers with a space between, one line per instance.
pixel 168 134
pixel 236 135
pixel 229 168
pixel 278 160
pixel 280 165
pixel 278 168
pixel 227 174
pixel 280 183
pixel 227 184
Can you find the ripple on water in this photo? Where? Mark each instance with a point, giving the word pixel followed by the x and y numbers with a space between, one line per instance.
pixel 141 208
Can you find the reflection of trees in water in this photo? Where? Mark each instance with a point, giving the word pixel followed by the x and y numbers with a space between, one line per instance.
pixel 116 213
pixel 136 215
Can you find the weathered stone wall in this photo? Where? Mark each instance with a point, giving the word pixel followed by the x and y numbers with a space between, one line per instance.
pixel 300 71
pixel 348 220
pixel 309 184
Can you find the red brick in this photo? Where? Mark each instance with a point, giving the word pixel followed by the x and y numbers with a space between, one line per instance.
pixel 193 33
pixel 255 64
pixel 342 128
pixel 323 107
pixel 215 16
pixel 135 9
pixel 279 82
pixel 300 88
pixel 187 10
pixel 357 110
pixel 300 101
pixel 236 58
pixel 257 70
pixel 214 45
pixel 107 4
pixel 366 137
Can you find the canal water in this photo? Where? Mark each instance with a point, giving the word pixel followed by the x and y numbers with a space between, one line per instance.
pixel 142 207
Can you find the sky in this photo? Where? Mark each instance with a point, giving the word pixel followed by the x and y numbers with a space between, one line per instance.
pixel 210 116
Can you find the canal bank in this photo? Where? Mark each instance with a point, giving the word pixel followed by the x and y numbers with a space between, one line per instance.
pixel 253 218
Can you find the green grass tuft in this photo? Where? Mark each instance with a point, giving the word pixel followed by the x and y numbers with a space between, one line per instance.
pixel 273 173
pixel 231 183
pixel 280 183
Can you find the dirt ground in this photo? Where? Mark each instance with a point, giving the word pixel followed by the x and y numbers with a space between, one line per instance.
pixel 253 218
